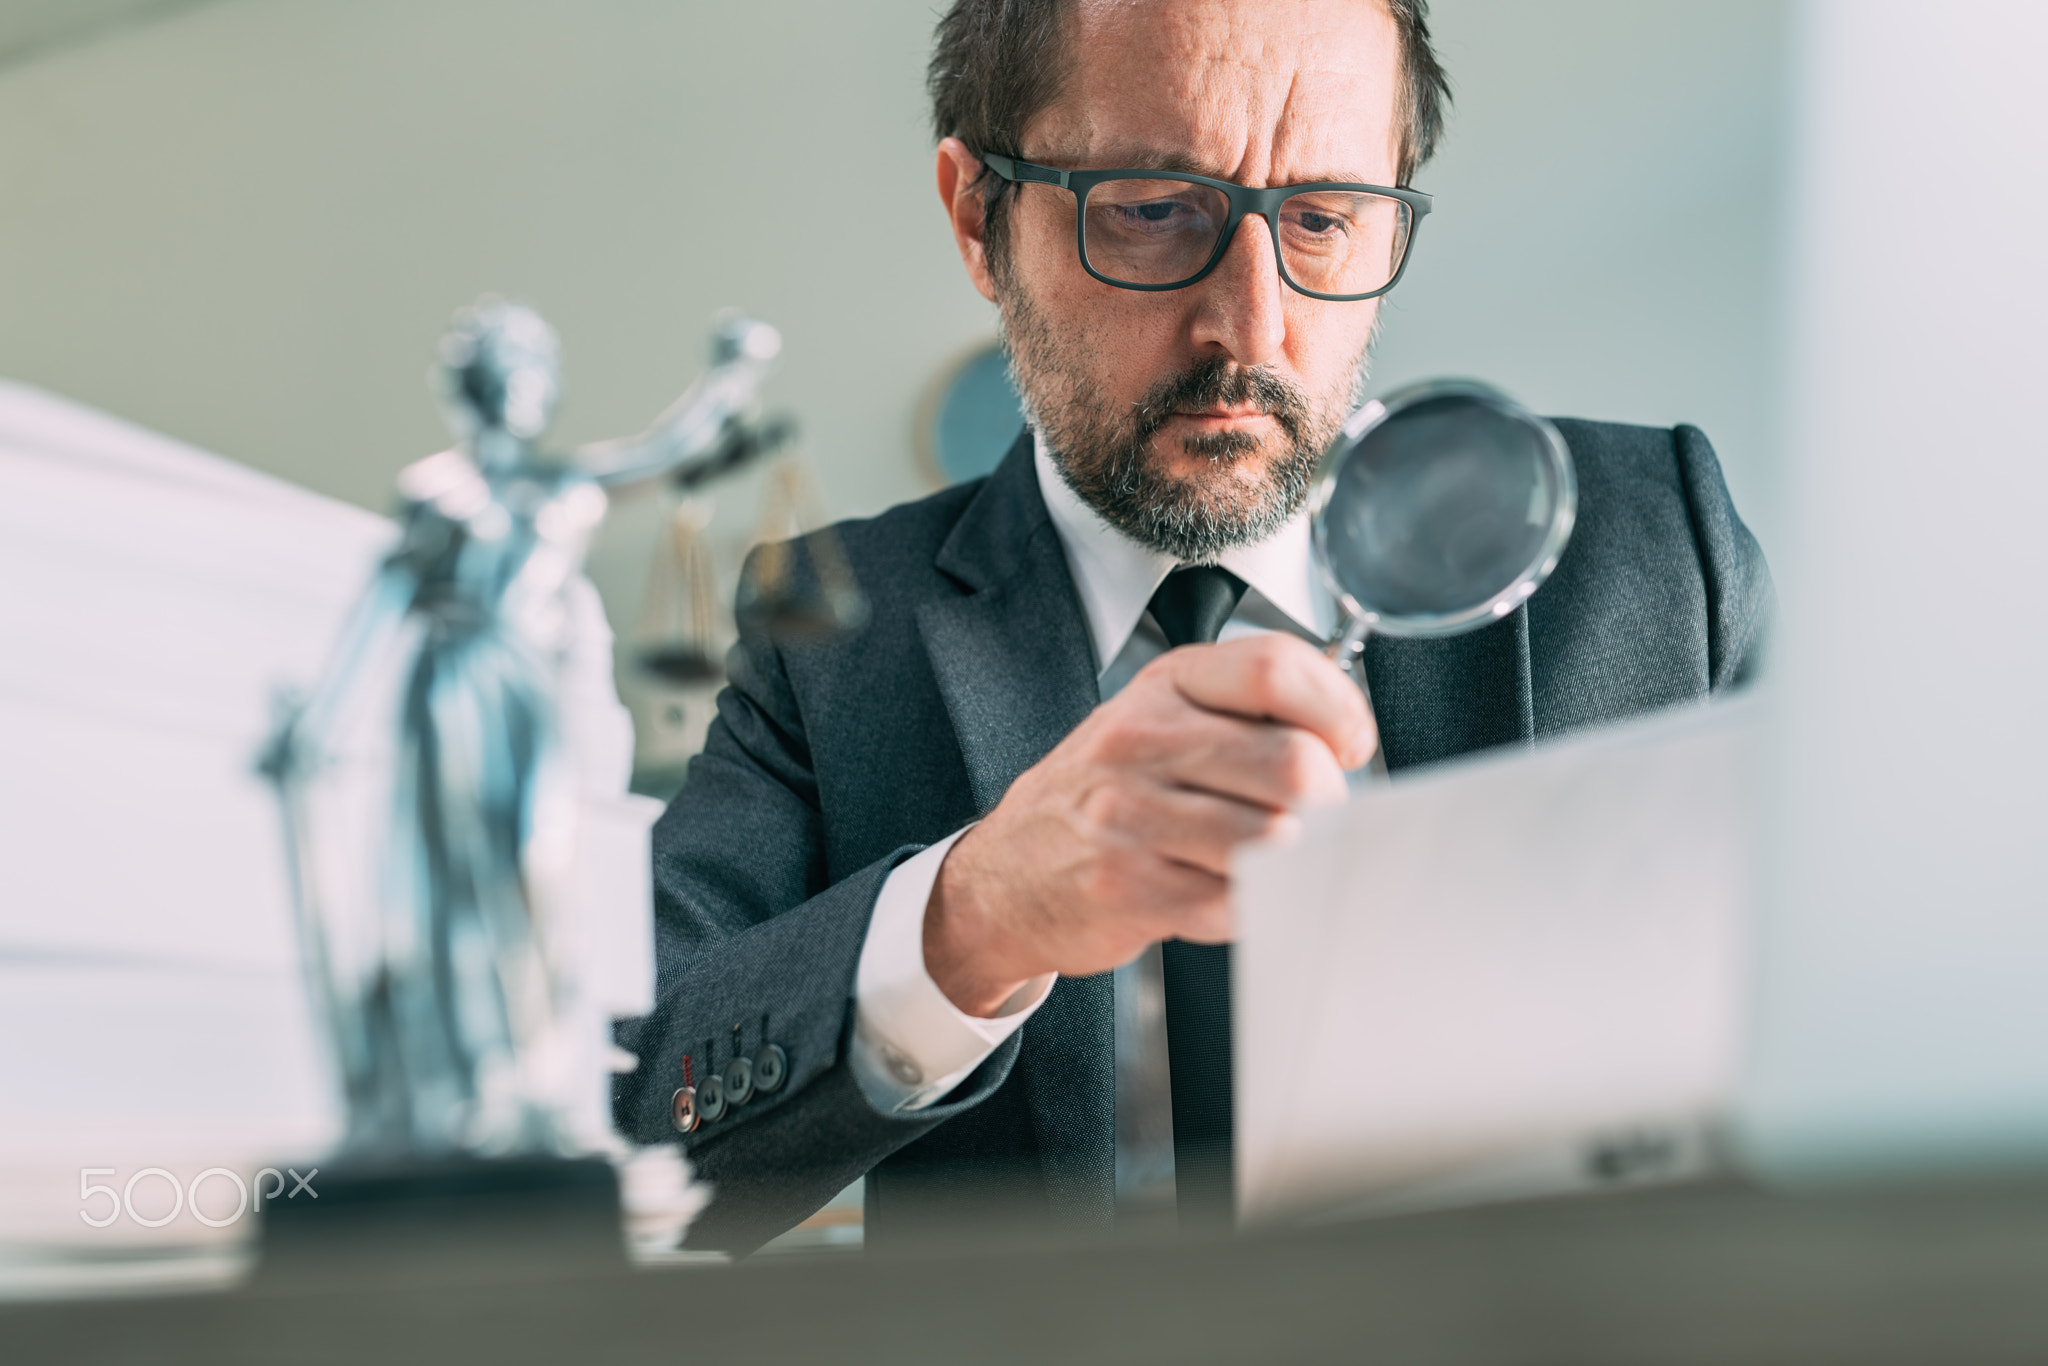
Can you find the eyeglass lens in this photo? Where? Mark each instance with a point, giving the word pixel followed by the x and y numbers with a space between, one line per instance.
pixel 1162 232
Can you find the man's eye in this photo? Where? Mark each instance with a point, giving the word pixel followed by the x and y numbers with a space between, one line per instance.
pixel 1159 211
pixel 1318 224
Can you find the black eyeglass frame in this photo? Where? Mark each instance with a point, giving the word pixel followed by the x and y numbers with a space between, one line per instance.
pixel 1243 200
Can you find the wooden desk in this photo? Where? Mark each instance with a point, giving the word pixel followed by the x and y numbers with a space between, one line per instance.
pixel 1705 1274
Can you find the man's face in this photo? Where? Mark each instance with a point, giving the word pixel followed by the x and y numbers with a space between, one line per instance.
pixel 1192 418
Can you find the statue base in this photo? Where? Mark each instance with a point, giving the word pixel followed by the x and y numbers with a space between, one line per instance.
pixel 443 1219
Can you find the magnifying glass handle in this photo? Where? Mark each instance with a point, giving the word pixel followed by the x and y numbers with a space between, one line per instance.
pixel 1347 652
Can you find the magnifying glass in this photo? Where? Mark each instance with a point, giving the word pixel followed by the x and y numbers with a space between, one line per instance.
pixel 1443 507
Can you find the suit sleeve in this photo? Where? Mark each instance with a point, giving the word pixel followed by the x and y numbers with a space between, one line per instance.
pixel 749 933
pixel 1740 597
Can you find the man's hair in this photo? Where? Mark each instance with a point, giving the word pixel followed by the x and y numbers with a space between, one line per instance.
pixel 997 63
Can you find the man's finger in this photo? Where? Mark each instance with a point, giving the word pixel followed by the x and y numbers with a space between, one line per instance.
pixel 1195 828
pixel 1197 919
pixel 1281 678
pixel 1259 762
pixel 1182 902
pixel 1157 898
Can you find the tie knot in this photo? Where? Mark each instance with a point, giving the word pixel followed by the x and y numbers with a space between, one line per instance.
pixel 1194 602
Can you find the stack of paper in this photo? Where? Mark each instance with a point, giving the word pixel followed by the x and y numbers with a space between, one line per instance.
pixel 1507 976
pixel 152 1011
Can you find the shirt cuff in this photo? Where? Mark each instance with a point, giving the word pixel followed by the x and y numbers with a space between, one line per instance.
pixel 910 1044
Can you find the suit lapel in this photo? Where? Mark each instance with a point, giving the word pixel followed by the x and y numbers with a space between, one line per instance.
pixel 1437 699
pixel 1011 656
pixel 1015 667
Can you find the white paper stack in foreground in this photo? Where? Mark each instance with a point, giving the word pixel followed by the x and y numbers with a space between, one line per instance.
pixel 1479 980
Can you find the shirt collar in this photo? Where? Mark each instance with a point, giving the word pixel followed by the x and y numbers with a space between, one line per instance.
pixel 1116 577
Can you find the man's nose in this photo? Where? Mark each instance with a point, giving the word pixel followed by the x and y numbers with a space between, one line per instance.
pixel 1243 302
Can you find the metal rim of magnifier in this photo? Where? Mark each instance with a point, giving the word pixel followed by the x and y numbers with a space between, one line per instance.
pixel 1525 584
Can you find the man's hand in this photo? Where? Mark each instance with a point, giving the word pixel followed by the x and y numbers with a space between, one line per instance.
pixel 1122 835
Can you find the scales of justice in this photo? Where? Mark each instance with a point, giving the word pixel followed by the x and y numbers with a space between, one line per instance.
pixel 444 810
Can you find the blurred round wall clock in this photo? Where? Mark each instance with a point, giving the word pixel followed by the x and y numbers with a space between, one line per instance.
pixel 970 417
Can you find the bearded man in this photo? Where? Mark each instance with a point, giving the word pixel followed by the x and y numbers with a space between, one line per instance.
pixel 944 902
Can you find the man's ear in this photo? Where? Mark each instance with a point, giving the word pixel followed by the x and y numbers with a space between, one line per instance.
pixel 959 190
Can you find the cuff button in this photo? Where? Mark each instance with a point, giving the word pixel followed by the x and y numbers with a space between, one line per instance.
pixel 739 1082
pixel 906 1072
pixel 682 1110
pixel 711 1099
pixel 771 1068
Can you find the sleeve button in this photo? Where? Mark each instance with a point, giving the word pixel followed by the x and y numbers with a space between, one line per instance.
pixel 771 1068
pixel 739 1082
pixel 902 1068
pixel 711 1099
pixel 682 1109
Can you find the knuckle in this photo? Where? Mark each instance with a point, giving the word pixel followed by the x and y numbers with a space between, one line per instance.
pixel 1107 879
pixel 1110 807
pixel 1265 668
pixel 1165 662
pixel 1094 810
pixel 1300 761
pixel 1157 674
pixel 1095 881
pixel 1111 744
pixel 1129 739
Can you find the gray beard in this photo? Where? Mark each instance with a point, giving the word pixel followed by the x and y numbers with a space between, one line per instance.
pixel 1102 454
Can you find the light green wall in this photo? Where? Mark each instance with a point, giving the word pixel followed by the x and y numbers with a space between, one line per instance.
pixel 1608 228
pixel 244 224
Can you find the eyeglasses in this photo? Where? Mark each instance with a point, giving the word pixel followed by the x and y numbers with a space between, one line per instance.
pixel 1159 230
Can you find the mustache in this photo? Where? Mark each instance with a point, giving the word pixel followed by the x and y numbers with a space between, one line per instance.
pixel 1215 383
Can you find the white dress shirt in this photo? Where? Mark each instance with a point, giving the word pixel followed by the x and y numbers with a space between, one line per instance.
pixel 910 1044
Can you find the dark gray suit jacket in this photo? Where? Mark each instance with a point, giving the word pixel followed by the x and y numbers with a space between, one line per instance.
pixel 832 762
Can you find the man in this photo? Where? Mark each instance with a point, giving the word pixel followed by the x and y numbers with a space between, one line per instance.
pixel 929 862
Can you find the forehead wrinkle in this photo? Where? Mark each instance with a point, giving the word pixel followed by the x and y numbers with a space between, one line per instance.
pixel 1126 156
pixel 1253 101
pixel 1297 123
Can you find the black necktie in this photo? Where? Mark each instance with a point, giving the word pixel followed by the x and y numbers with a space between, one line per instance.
pixel 1192 606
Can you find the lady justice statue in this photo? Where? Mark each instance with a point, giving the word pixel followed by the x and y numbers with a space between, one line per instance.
pixel 441 803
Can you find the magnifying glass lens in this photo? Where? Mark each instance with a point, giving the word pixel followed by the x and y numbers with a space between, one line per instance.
pixel 1451 507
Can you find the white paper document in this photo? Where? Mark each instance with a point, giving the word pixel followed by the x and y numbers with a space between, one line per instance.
pixel 1509 975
